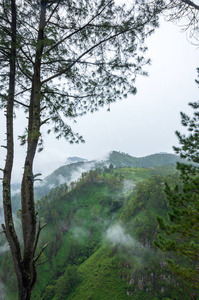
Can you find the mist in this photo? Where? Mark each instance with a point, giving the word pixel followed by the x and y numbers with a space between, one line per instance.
pixel 117 236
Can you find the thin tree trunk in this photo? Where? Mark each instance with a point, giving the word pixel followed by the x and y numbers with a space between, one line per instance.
pixel 8 227
pixel 25 268
pixel 27 187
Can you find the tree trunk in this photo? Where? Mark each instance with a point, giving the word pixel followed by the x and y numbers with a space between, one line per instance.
pixel 27 187
pixel 25 268
pixel 8 227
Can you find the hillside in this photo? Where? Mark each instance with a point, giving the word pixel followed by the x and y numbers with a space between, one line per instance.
pixel 119 159
pixel 101 231
pixel 76 166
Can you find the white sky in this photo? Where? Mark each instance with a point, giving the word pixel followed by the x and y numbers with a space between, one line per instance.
pixel 139 125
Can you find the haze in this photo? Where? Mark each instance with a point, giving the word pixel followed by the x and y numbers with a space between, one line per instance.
pixel 139 125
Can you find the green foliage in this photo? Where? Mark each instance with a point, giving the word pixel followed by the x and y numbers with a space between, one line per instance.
pixel 121 159
pixel 62 287
pixel 182 231
pixel 100 278
pixel 96 49
pixel 49 292
pixel 65 283
pixel 84 263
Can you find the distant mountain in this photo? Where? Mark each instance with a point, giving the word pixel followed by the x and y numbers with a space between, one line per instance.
pixel 72 171
pixel 120 159
pixel 74 159
pixel 75 166
pixel 65 174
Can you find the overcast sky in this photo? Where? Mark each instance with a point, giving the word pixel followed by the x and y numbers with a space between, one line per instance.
pixel 139 125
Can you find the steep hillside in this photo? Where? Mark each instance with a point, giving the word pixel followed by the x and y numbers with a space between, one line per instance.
pixel 101 231
pixel 72 171
pixel 76 166
pixel 119 159
pixel 65 174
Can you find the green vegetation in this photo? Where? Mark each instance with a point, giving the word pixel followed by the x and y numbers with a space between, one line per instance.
pixel 39 44
pixel 181 233
pixel 101 231
pixel 121 159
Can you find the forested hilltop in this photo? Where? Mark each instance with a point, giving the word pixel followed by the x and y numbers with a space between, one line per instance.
pixel 75 166
pixel 101 230
pixel 72 171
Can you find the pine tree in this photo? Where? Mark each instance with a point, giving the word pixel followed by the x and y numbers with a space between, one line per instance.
pixel 181 232
pixel 58 60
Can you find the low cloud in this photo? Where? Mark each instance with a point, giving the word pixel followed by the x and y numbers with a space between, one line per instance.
pixel 4 248
pixel 117 236
pixel 80 233
pixel 128 186
pixel 2 291
pixel 76 174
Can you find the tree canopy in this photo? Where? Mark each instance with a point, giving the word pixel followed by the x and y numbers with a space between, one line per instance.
pixel 90 53
pixel 58 60
pixel 181 233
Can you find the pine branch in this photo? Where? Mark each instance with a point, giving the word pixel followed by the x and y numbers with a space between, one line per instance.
pixel 83 54
pixel 78 30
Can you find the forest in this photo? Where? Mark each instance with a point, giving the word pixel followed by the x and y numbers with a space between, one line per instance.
pixel 100 233
pixel 124 229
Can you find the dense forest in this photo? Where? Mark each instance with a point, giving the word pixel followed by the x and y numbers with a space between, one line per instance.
pixel 100 232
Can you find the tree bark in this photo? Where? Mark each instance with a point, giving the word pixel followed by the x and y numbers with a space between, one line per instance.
pixel 25 268
pixel 8 227
pixel 27 187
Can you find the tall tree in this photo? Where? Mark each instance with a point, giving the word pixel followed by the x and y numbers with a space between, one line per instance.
pixel 181 233
pixel 60 59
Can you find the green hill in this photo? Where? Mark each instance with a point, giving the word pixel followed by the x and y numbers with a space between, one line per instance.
pixel 73 170
pixel 100 231
pixel 120 159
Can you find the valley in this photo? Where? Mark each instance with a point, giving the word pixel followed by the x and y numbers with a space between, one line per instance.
pixel 100 231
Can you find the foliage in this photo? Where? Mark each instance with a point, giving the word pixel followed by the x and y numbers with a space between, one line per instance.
pixel 58 60
pixel 120 159
pixel 182 232
pixel 66 282
pixel 79 249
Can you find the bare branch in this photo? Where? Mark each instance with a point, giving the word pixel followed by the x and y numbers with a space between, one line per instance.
pixel 23 72
pixel 44 122
pixel 23 104
pixel 40 253
pixel 191 3
pixel 42 263
pixel 25 90
pixel 38 234
pixel 70 96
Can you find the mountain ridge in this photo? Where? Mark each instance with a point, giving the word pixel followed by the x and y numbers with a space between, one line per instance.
pixel 71 172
